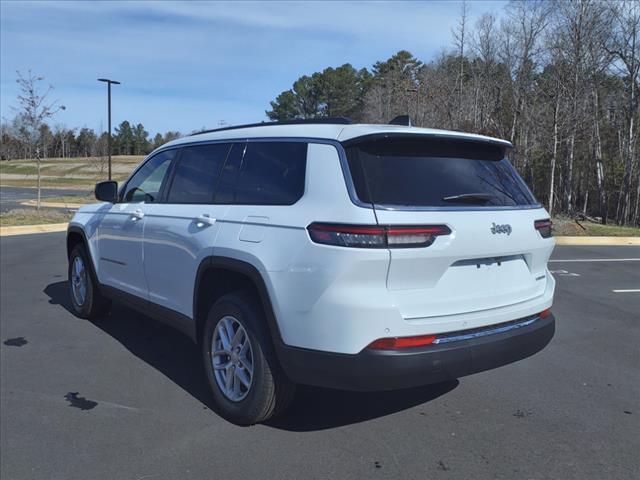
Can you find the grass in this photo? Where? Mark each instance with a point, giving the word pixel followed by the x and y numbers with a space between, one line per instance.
pixel 80 199
pixel 582 228
pixel 71 183
pixel 31 216
pixel 80 173
pixel 68 201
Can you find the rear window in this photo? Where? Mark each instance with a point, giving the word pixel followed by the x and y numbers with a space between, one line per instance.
pixel 434 172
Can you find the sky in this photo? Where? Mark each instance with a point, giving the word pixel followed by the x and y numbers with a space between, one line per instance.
pixel 191 65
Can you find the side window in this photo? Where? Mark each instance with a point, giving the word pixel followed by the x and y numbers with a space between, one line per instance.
pixel 227 183
pixel 272 173
pixel 146 184
pixel 197 173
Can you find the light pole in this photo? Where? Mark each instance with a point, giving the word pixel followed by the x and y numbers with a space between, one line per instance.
pixel 109 82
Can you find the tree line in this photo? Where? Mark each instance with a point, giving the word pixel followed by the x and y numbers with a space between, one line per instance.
pixel 62 142
pixel 560 80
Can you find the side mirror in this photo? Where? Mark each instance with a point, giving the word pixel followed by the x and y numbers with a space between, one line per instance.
pixel 107 191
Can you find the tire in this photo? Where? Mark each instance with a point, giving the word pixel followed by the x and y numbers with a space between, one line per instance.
pixel 91 304
pixel 269 391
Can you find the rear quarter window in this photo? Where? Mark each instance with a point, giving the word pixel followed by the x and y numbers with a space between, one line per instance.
pixel 421 171
pixel 271 173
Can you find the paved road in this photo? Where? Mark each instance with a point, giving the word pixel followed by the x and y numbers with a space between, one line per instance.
pixel 126 398
pixel 11 197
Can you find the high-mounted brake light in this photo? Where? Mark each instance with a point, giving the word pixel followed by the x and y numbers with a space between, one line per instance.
pixel 376 236
pixel 544 227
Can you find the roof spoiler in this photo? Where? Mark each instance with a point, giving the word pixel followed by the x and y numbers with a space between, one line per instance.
pixel 401 120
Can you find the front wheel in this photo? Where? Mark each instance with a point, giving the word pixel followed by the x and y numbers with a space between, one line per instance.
pixel 246 380
pixel 86 300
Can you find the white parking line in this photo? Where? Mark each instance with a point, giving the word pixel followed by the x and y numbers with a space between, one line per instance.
pixel 564 273
pixel 628 290
pixel 597 260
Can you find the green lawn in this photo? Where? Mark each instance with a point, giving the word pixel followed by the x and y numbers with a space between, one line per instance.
pixel 81 173
pixel 31 216
pixel 568 227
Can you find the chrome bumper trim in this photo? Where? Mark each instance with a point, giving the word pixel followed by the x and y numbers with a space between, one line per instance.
pixel 484 331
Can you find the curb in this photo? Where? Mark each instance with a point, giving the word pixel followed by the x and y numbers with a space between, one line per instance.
pixel 29 229
pixel 68 206
pixel 612 241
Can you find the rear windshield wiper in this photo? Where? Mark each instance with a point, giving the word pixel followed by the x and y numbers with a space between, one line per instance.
pixel 469 198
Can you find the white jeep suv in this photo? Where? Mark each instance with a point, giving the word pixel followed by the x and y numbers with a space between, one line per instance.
pixel 360 257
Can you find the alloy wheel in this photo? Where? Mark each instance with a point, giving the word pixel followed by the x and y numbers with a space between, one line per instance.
pixel 232 358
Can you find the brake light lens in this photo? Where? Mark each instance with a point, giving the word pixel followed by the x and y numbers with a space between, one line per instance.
pixel 544 227
pixel 376 236
pixel 395 343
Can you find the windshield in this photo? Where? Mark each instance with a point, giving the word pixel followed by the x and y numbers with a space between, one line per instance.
pixel 435 172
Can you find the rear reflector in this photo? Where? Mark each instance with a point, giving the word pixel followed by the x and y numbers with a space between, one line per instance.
pixel 395 343
pixel 544 227
pixel 545 313
pixel 376 236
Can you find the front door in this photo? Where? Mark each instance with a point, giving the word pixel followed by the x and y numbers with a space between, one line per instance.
pixel 121 231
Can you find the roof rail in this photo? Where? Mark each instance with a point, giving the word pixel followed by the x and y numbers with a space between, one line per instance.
pixel 297 121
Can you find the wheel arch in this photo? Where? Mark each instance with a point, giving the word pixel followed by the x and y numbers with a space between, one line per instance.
pixel 217 276
pixel 76 235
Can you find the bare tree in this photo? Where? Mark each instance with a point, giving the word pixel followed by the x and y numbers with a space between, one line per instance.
pixel 624 46
pixel 459 36
pixel 34 108
pixel 488 88
pixel 522 30
pixel 596 63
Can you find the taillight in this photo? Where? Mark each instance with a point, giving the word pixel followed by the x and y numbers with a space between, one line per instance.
pixel 395 343
pixel 376 236
pixel 544 227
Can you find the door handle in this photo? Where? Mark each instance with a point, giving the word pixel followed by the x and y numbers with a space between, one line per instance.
pixel 204 220
pixel 137 214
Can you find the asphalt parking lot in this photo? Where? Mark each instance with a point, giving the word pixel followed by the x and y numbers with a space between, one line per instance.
pixel 125 397
pixel 12 197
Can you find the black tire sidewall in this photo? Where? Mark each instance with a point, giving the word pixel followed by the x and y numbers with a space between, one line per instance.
pixel 84 310
pixel 250 408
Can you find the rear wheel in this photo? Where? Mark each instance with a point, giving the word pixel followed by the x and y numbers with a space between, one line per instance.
pixel 86 300
pixel 246 380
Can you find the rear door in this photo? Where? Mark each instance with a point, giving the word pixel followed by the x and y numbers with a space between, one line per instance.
pixel 493 256
pixel 181 230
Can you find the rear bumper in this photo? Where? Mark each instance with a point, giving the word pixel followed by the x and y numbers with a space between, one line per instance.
pixel 372 370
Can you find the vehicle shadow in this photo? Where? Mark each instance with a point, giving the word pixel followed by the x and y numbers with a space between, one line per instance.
pixel 322 408
pixel 176 357
pixel 165 349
